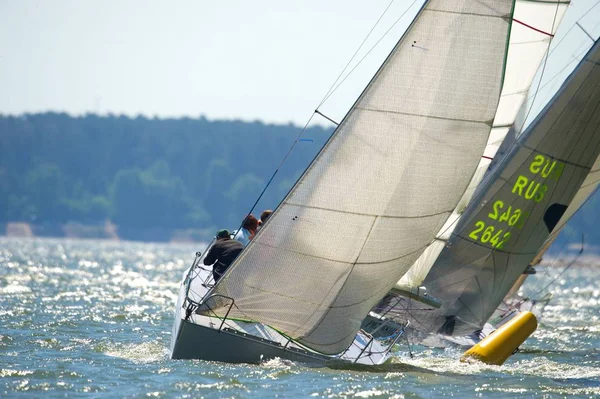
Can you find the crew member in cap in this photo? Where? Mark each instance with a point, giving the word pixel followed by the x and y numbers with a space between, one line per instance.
pixel 222 253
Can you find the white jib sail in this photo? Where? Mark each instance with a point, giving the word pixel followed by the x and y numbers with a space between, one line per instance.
pixel 384 184
pixel 534 24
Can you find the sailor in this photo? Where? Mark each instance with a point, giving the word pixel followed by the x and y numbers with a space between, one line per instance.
pixel 248 230
pixel 222 253
pixel 264 216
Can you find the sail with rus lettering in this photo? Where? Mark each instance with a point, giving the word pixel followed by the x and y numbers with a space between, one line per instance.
pixel 371 201
pixel 519 203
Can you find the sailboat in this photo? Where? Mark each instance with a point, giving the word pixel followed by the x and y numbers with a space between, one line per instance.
pixel 519 206
pixel 366 208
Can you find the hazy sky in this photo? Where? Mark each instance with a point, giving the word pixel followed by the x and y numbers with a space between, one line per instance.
pixel 262 59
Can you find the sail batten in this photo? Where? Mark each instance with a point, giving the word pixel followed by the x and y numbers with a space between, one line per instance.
pixel 385 183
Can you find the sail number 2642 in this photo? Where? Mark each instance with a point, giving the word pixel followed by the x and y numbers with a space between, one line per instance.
pixel 488 233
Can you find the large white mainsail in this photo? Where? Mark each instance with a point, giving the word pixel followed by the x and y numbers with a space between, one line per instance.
pixel 383 185
pixel 521 202
pixel 535 23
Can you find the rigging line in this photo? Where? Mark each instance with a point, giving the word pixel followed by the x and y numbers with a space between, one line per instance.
pixel 312 116
pixel 553 237
pixel 331 91
pixel 537 90
pixel 571 28
pixel 296 141
pixel 548 52
pixel 390 308
pixel 238 259
pixel 354 55
pixel 575 58
pixel 578 212
pixel 566 267
pixel 322 101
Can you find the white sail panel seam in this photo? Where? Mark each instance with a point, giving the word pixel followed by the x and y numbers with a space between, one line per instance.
pixel 495 249
pixel 368 214
pixel 546 39
pixel 330 307
pixel 469 13
pixel 342 262
pixel 386 111
pixel 558 159
pixel 393 259
pixel 303 254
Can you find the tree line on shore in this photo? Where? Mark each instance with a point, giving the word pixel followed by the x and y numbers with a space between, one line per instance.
pixel 142 173
pixel 151 174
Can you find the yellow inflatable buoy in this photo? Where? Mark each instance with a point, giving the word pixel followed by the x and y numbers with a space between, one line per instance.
pixel 498 346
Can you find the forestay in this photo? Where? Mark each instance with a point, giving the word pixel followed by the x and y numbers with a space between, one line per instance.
pixel 535 23
pixel 523 200
pixel 384 184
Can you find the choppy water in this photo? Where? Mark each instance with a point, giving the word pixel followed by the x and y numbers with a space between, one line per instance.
pixel 91 318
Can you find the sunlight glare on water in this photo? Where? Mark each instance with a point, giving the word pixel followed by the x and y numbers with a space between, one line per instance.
pixel 82 316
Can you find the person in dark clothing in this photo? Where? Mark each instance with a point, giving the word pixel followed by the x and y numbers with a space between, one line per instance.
pixel 222 253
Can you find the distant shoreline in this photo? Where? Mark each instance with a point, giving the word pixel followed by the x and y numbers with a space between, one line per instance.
pixel 104 231
pixel 110 232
